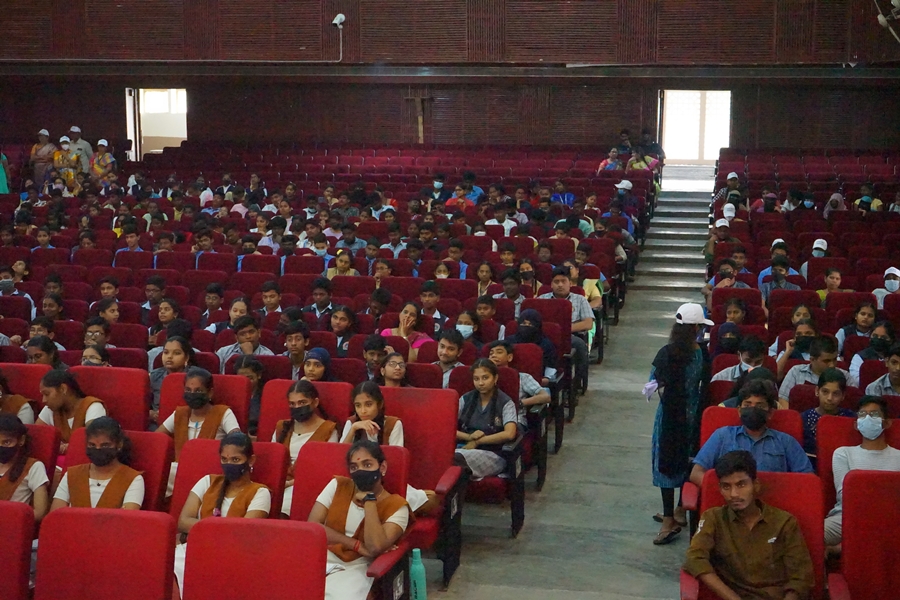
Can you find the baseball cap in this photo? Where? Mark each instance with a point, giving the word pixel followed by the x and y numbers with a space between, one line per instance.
pixel 820 244
pixel 732 175
pixel 776 241
pixel 729 210
pixel 624 185
pixel 691 314
pixel 722 223
pixel 75 129
pixel 65 138
pixel 44 132
pixel 102 143
pixel 892 271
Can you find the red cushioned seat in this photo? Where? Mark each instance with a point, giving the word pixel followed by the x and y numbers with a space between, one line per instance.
pixel 45 441
pixel 803 397
pixel 334 398
pixel 128 335
pixel 98 272
pixel 232 390
pixel 17 531
pixel 49 256
pixel 179 261
pixel 134 260
pixel 17 307
pixel 125 392
pixel 217 261
pixel 92 257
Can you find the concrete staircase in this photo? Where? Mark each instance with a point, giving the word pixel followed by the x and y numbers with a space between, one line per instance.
pixel 672 266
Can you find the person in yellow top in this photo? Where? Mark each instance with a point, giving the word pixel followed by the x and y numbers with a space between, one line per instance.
pixel 102 162
pixel 343 265
pixel 832 284
pixel 66 161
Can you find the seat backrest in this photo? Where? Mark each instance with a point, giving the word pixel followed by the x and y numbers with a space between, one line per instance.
pixel 16 307
pixel 556 311
pixel 871 525
pixel 151 454
pixel 25 380
pixel 803 397
pixel 750 296
pixel 116 567
pixel 334 398
pixel 429 430
pixel 714 417
pixel 796 493
pixel 45 441
pixel 320 462
pixel 231 390
pixel 17 531
pixel 351 370
pixel 422 375
pixel 248 548
pixel 125 393
pixel 274 367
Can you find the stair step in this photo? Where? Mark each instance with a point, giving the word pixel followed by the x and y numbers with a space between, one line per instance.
pixel 690 257
pixel 680 212
pixel 663 243
pixel 681 221
pixel 670 286
pixel 668 297
pixel 678 234
pixel 649 269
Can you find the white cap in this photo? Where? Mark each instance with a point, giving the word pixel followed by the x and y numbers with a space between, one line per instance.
pixel 776 241
pixel 44 132
pixel 102 143
pixel 732 175
pixel 892 271
pixel 729 210
pixel 691 314
pixel 65 138
pixel 624 185
pixel 722 223
pixel 820 244
pixel 75 128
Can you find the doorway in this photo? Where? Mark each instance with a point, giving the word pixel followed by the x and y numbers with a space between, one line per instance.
pixel 156 118
pixel 696 125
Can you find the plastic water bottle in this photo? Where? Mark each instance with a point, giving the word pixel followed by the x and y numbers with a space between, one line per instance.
pixel 417 584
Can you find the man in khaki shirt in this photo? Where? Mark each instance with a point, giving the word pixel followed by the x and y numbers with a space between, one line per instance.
pixel 748 550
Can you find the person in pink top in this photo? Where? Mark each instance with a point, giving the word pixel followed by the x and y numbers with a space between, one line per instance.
pixel 407 329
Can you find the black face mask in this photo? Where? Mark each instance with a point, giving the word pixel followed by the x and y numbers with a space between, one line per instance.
pixel 778 277
pixel 196 399
pixel 302 413
pixel 365 480
pixel 7 453
pixel 527 275
pixel 729 344
pixel 753 418
pixel 725 275
pixel 234 472
pixel 803 343
pixel 101 456
pixel 880 345
pixel 528 332
pixel 248 250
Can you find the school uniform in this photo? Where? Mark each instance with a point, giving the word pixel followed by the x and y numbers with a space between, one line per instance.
pixel 325 432
pixel 217 424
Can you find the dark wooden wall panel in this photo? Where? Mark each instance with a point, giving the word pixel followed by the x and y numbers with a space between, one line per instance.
pixel 637 31
pixel 794 30
pixel 201 35
pixel 67 28
pixel 26 29
pixel 561 32
pixel 134 29
pixel 427 31
pixel 594 115
pixel 716 31
pixel 270 30
pixel 832 30
pixel 485 28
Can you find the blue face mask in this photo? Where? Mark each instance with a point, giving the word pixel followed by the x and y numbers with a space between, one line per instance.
pixel 621 192
pixel 438 185
pixel 818 253
pixel 809 203
pixel 321 252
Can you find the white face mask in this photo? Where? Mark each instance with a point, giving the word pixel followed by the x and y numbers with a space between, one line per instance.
pixel 465 330
pixel 870 427
pixel 746 367
pixel 892 285
pixel 65 146
pixel 441 276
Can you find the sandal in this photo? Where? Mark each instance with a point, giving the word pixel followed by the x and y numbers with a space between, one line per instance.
pixel 666 537
pixel 659 519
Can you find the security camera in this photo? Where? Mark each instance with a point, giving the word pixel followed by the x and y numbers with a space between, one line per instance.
pixel 339 21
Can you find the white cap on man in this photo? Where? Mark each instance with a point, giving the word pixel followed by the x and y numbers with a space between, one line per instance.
pixel 729 211
pixel 691 314
pixel 776 241
pixel 722 223
pixel 732 175
pixel 75 129
pixel 624 185
pixel 820 244
pixel 892 271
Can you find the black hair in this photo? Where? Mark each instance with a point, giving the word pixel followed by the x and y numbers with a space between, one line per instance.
pixel 45 322
pixel 129 230
pixel 176 308
pixel 242 441
pixel 240 299
pixel 45 344
pixel 888 328
pixel 485 363
pixel 455 243
pixel 101 350
pixel 781 261
pixel 453 337
pixel 682 340
pixel 371 389
pixel 881 402
pixel 736 461
pixel 382 296
pixel 808 322
pixel 215 288
pixel 322 283
pixel 297 327
pixel 351 316
pixel 57 299
pixel 502 344
pixel 113 430
pixel 558 271
pixel 59 377
pixel 760 387
pixel 894 351
pixel 270 286
pixel 511 273
pixel 418 314
pixel 430 287
pixel 727 261
pixel 244 322
pixel 185 347
pixel 753 346
pixel 822 344
pixel 157 281
pixel 104 304
pixel 200 373
pixel 737 303
pixel 374 342
pixel 373 448
pixel 248 361
pixel 304 388
pixel 11 425
pixel 487 300
pixel 833 375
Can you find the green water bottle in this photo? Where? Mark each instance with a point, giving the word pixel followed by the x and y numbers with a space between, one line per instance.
pixel 417 585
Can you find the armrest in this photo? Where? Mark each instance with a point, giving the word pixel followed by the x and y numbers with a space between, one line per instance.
pixel 837 587
pixel 690 496
pixel 383 564
pixel 511 450
pixel 690 587
pixel 448 480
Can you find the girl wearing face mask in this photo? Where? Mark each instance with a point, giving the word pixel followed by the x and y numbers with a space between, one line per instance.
pixel 177 355
pixel 308 423
pixel 106 481
pixel 529 276
pixel 14 404
pixel 832 284
pixel 863 320
pixel 393 371
pixel 880 342
pixel 728 340
pixel 95 356
pixel 835 203
pixel 22 478
pixel 800 312
pixel 468 324
pixel 66 406
pixel 317 365
pixel 362 520
pixel 343 326
pixel 441 271
pixel 239 307
pixel 232 494
pixel 199 418
pixel 797 348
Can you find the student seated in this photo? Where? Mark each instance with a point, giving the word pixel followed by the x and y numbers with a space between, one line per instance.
pixel 393 371
pixel 317 366
pixel 67 407
pixel 780 269
pixel 231 494
pixel 880 343
pixel 252 369
pixel 800 312
pixel 240 307
pixel 321 295
pixel 582 323
pixel 530 331
pixel 531 393
pixel 468 324
pixel 725 278
pixel 96 332
pixel 863 319
pixel 271 298
pixel 512 280
pixel 374 351
pixel 247 333
pixel 177 355
pixel 429 296
pixel 199 418
pixel 889 384
pixel 822 356
pixel 873 454
pixel 486 308
pixel 343 325
pixel 487 421
pixel 296 338
pixel 752 352
pixel 308 422
pixel 774 450
pixel 41 350
pixel 797 348
pixel 106 481
pixel 450 344
pixel 832 284
pixel 22 478
pixel 748 549
pixel 830 389
pixel 14 404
